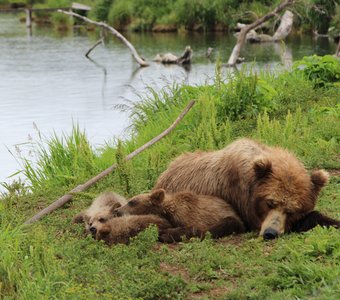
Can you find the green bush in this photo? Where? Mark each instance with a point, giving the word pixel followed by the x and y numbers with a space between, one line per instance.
pixel 321 70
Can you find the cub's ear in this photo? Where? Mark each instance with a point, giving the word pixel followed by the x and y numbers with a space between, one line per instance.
pixel 319 179
pixel 157 196
pixel 262 168
pixel 114 206
pixel 79 218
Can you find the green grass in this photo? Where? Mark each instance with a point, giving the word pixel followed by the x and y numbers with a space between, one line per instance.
pixel 52 259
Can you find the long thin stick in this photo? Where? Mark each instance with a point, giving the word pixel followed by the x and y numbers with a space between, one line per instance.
pixel 80 188
pixel 243 33
pixel 100 41
pixel 134 52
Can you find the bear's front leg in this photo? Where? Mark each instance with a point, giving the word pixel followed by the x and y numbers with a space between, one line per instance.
pixel 172 235
pixel 313 219
pixel 227 226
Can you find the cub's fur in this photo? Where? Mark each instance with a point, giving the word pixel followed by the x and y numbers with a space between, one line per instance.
pixel 188 213
pixel 119 230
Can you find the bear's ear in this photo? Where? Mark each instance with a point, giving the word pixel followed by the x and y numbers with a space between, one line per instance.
pixel 79 218
pixel 262 168
pixel 319 179
pixel 157 196
pixel 114 206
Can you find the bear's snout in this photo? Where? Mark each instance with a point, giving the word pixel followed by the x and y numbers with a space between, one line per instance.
pixel 273 225
pixel 93 230
pixel 270 234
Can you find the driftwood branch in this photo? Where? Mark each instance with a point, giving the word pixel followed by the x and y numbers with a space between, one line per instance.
pixel 118 35
pixel 169 58
pixel 281 33
pixel 243 33
pixel 100 41
pixel 80 188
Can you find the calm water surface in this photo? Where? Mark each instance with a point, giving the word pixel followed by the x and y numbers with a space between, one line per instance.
pixel 46 80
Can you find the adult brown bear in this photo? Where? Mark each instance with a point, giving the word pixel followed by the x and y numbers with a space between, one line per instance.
pixel 268 187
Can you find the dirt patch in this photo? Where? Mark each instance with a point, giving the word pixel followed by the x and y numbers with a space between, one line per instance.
pixel 175 270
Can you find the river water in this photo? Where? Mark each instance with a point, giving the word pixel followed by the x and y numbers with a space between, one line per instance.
pixel 47 84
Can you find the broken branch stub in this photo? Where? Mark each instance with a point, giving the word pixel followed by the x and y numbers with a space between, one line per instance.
pixel 169 58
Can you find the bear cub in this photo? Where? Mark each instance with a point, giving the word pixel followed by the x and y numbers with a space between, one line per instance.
pixel 103 224
pixel 189 214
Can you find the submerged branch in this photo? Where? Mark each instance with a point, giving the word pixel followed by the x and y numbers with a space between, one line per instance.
pixel 100 41
pixel 82 187
pixel 118 35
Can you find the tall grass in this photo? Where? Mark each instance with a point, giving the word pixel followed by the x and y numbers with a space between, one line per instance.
pixel 60 161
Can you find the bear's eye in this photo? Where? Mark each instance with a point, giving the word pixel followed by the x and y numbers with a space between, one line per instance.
pixel 271 203
pixel 133 203
pixel 102 220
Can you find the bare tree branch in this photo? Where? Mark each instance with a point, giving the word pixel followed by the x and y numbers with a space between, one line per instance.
pixel 80 188
pixel 118 35
pixel 100 41
pixel 243 33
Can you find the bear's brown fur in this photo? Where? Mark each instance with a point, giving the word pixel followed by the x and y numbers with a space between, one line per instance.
pixel 114 230
pixel 105 203
pixel 268 187
pixel 189 214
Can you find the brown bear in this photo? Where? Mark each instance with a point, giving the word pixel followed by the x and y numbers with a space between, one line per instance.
pixel 105 203
pixel 189 214
pixel 268 187
pixel 114 230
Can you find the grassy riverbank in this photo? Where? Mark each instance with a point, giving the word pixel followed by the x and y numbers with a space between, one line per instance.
pixel 298 110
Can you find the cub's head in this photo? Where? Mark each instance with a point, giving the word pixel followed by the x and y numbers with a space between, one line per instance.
pixel 283 194
pixel 144 204
pixel 86 215
pixel 99 224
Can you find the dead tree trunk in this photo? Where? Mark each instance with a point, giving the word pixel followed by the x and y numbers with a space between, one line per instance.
pixel 243 33
pixel 134 52
pixel 337 53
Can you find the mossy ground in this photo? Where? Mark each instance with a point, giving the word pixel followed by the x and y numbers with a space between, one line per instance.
pixel 53 259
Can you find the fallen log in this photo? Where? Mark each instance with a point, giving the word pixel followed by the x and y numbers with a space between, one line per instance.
pixel 82 187
pixel 114 32
pixel 169 58
pixel 243 33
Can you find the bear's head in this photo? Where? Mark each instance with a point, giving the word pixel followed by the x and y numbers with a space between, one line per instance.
pixel 144 204
pixel 87 215
pixel 283 194
pixel 98 225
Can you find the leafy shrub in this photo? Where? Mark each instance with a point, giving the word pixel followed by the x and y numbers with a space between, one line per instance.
pixel 321 70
